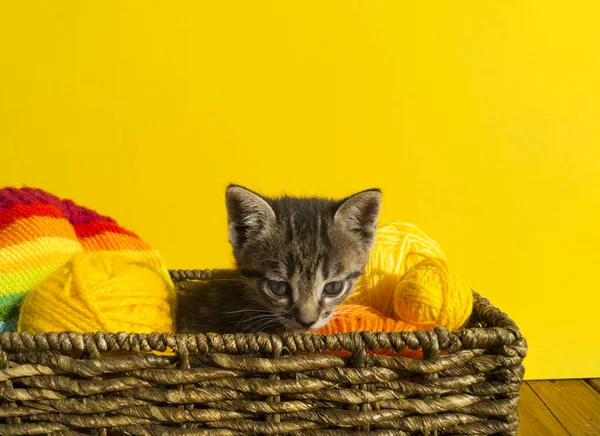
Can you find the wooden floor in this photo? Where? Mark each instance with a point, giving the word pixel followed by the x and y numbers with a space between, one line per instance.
pixel 562 407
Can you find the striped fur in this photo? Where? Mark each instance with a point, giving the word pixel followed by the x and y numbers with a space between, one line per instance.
pixel 305 243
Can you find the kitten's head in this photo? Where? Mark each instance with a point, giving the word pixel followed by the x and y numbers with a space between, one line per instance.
pixel 301 256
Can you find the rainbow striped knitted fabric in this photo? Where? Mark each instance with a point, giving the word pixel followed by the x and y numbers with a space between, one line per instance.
pixel 39 233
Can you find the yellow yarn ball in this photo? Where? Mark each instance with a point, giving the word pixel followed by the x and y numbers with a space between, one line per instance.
pixel 407 278
pixel 100 291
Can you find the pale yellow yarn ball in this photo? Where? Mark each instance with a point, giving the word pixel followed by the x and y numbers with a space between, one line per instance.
pixel 407 278
pixel 100 291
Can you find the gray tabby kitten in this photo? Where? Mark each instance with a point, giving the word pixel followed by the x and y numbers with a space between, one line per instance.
pixel 298 258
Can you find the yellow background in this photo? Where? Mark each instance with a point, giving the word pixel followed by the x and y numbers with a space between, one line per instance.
pixel 480 120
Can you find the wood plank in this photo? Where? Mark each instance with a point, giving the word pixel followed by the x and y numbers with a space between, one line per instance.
pixel 573 402
pixel 595 383
pixel 534 416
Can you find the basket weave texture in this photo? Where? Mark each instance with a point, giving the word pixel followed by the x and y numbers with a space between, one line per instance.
pixel 224 384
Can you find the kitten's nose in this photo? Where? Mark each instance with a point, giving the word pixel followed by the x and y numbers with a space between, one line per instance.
pixel 304 324
pixel 303 320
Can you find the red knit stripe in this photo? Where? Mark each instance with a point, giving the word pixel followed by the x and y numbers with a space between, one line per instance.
pixel 94 228
pixel 20 211
pixel 11 197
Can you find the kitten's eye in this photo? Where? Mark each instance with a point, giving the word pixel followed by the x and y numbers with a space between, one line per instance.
pixel 332 289
pixel 279 289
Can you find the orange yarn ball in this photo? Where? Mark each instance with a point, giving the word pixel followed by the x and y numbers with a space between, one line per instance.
pixel 354 318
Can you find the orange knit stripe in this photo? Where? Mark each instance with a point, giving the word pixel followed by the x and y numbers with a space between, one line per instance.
pixel 35 227
pixel 113 242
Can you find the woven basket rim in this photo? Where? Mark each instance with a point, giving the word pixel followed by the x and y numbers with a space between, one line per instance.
pixel 503 332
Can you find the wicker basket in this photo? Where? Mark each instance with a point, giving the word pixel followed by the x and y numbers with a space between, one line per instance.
pixel 467 383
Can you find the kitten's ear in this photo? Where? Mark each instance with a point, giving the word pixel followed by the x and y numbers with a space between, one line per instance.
pixel 248 215
pixel 358 215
